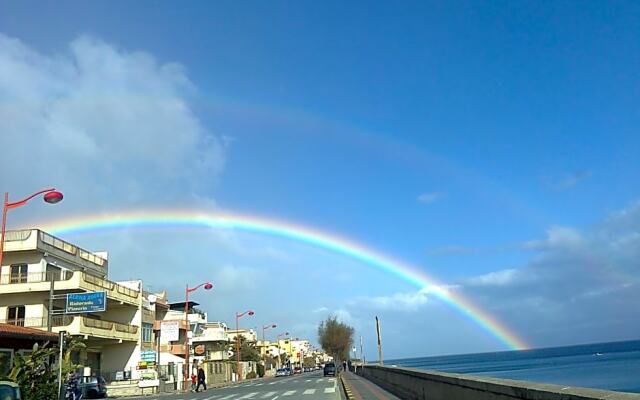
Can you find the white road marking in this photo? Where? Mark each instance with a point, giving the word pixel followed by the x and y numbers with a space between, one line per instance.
pixel 330 390
pixel 227 397
pixel 270 383
pixel 248 395
pixel 259 384
pixel 308 380
pixel 309 391
pixel 288 393
pixel 319 380
pixel 269 394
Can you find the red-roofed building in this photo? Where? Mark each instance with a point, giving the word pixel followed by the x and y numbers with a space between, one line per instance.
pixel 15 339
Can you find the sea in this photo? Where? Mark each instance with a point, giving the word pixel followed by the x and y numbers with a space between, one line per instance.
pixel 612 366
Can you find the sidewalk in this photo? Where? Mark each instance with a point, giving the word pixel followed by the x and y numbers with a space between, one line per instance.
pixel 359 388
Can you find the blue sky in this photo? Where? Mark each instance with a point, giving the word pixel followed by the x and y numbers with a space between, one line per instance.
pixel 468 138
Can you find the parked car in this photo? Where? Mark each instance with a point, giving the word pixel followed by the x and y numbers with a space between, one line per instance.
pixel 297 371
pixel 330 369
pixel 289 371
pixel 93 387
pixel 282 372
pixel 9 391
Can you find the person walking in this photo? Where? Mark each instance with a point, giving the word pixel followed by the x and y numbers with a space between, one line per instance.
pixel 201 380
pixel 193 382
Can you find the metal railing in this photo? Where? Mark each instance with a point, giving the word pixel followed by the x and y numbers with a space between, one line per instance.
pixel 32 277
pixel 109 285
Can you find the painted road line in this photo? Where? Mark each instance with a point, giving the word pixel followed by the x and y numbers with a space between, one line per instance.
pixel 270 383
pixel 309 391
pixel 308 380
pixel 330 390
pixel 227 397
pixel 289 393
pixel 269 394
pixel 248 395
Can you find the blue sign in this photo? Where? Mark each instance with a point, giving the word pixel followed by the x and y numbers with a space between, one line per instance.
pixel 148 355
pixel 86 302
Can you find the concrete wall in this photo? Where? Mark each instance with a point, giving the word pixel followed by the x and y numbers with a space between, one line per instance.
pixel 432 385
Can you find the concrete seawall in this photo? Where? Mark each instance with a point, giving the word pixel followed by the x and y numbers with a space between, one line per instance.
pixel 413 384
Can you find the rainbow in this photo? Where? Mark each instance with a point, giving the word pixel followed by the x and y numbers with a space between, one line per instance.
pixel 331 242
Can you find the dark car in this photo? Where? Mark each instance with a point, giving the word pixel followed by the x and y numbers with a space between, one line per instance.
pixel 93 387
pixel 329 369
pixel 9 390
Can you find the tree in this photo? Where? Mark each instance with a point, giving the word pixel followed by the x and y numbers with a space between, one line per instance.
pixel 248 351
pixel 36 376
pixel 309 362
pixel 335 337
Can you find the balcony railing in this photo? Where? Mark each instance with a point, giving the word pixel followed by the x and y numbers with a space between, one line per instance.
pixel 33 277
pixel 66 320
pixel 38 277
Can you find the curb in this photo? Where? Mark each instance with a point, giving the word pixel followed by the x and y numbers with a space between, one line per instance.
pixel 346 388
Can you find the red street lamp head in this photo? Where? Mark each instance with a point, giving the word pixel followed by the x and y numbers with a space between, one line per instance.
pixel 208 286
pixel 53 197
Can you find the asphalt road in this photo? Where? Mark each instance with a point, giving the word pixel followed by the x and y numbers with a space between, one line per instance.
pixel 308 386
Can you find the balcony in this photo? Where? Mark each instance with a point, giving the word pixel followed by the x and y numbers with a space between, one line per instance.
pixel 175 349
pixel 182 324
pixel 82 326
pixel 39 281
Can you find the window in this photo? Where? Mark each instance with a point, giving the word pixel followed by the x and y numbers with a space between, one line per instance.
pixel 15 315
pixel 147 332
pixel 19 273
pixel 53 271
pixel 6 355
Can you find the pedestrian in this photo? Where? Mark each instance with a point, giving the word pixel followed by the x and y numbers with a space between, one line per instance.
pixel 201 379
pixel 193 382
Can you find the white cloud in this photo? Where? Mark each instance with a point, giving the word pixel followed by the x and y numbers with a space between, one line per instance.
pixel 428 198
pixel 498 278
pixel 401 301
pixel 558 237
pixel 106 125
pixel 320 310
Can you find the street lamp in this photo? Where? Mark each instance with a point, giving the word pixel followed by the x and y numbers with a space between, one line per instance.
pixel 207 286
pixel 278 338
pixel 238 316
pixel 51 196
pixel 264 344
pixel 265 327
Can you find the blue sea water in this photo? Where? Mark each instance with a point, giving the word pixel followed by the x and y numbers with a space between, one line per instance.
pixel 612 366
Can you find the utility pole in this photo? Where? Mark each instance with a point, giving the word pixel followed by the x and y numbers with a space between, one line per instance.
pixel 51 295
pixel 361 356
pixel 380 359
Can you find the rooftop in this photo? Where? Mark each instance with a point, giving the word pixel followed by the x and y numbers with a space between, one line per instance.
pixel 20 332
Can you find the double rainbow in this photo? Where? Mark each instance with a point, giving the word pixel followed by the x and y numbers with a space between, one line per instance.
pixel 331 242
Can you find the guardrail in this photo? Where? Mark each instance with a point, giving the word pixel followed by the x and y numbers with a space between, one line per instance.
pixel 415 384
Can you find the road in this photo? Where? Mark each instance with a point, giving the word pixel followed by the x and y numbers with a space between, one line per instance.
pixel 308 386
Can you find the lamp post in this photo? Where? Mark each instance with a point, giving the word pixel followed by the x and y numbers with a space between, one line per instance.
pixel 51 196
pixel 264 328
pixel 207 286
pixel 238 316
pixel 278 338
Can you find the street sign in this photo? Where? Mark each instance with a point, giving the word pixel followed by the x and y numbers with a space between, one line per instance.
pixel 148 355
pixel 170 330
pixel 86 302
